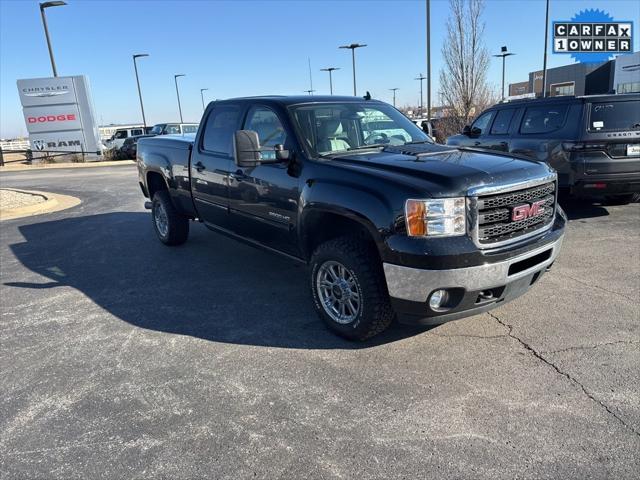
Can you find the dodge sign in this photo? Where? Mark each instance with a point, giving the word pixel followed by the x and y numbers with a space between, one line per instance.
pixel 59 114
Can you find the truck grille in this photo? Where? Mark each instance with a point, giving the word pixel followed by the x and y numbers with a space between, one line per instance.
pixel 495 213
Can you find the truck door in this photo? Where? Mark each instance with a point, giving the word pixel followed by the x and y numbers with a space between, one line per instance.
pixel 263 199
pixel 211 162
pixel 479 131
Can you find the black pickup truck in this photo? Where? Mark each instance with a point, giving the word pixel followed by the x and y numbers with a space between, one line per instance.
pixel 391 225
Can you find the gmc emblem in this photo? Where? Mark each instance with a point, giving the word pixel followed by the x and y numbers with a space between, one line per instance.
pixel 522 212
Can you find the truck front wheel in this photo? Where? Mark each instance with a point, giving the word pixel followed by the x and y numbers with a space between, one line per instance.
pixel 349 289
pixel 171 227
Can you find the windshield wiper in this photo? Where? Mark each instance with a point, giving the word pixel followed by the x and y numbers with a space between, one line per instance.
pixel 413 142
pixel 364 147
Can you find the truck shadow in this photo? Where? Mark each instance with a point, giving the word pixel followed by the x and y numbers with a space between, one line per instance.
pixel 212 288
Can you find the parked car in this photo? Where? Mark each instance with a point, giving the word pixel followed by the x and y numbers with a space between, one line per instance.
pixel 593 142
pixel 120 135
pixel 390 224
pixel 129 148
pixel 174 128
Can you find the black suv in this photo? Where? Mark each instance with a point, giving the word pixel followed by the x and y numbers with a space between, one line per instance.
pixel 593 142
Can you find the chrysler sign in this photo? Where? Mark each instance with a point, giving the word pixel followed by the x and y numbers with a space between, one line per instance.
pixel 58 113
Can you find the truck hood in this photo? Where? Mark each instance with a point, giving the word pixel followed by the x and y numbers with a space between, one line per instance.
pixel 442 170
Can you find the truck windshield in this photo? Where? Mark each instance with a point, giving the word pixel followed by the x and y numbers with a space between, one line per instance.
pixel 328 128
pixel 623 115
pixel 157 129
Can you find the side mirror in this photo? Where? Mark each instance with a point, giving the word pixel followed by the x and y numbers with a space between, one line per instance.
pixel 476 132
pixel 466 130
pixel 281 153
pixel 246 145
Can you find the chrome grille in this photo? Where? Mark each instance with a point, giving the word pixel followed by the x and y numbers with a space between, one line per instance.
pixel 494 212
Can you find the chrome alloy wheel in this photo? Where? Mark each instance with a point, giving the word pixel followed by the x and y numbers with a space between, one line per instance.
pixel 161 219
pixel 338 291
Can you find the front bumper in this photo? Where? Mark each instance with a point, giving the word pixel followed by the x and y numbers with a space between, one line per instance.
pixel 473 289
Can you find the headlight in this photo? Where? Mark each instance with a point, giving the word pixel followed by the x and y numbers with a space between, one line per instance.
pixel 442 217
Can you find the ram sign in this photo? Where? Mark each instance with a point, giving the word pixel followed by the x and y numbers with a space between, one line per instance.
pixel 59 114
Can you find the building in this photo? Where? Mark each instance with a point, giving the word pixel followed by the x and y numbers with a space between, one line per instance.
pixel 621 75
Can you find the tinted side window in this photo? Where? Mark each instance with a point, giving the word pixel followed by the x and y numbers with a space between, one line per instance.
pixel 219 130
pixel 189 128
pixel 502 121
pixel 172 129
pixel 137 131
pixel 543 119
pixel 482 122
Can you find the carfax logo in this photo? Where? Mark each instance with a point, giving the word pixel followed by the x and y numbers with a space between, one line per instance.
pixel 592 36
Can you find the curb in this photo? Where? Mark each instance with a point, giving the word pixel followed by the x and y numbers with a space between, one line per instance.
pixel 46 166
pixel 54 203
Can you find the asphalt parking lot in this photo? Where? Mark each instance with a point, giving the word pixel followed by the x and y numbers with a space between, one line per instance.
pixel 123 358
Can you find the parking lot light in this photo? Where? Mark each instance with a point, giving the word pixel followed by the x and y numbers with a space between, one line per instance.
pixel 175 79
pixel 504 54
pixel 202 97
pixel 330 69
pixel 135 67
pixel 353 47
pixel 394 90
pixel 43 6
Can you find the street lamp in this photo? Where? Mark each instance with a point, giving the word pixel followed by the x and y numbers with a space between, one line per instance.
pixel 46 30
pixel 353 47
pixel 202 96
pixel 504 54
pixel 394 95
pixel 135 67
pixel 330 69
pixel 175 79
pixel 421 78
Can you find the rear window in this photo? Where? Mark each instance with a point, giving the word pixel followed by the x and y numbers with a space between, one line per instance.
pixel 543 119
pixel 614 116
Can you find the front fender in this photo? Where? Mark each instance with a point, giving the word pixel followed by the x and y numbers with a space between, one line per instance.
pixel 368 207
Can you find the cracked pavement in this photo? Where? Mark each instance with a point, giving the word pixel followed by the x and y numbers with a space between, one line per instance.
pixel 123 358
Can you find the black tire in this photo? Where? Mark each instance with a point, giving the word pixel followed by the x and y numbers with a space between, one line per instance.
pixel 363 266
pixel 618 199
pixel 177 225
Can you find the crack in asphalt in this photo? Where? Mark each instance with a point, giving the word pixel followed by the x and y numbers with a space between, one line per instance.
pixel 539 356
pixel 598 287
pixel 595 345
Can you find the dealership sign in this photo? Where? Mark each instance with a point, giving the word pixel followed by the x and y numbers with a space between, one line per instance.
pixel 58 113
pixel 592 36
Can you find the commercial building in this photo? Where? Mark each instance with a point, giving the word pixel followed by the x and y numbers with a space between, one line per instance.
pixel 621 75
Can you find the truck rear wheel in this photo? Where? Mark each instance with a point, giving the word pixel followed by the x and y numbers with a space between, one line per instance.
pixel 171 227
pixel 349 289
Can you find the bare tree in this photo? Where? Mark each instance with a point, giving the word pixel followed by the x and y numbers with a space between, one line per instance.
pixel 463 79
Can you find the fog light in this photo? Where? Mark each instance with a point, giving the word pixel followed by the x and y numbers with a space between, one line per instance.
pixel 437 300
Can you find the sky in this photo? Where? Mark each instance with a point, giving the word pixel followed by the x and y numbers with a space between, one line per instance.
pixel 240 48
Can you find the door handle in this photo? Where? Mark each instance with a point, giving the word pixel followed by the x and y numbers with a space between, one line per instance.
pixel 476 143
pixel 200 167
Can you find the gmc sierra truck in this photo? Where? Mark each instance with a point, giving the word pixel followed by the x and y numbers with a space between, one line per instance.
pixel 390 224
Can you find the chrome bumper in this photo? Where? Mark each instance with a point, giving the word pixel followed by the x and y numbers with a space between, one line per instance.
pixel 415 285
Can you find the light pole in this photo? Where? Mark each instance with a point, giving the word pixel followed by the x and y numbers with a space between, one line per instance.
pixel 330 69
pixel 544 63
pixel 394 95
pixel 202 96
pixel 46 30
pixel 135 67
pixel 429 59
pixel 353 47
pixel 504 54
pixel 175 79
pixel 421 78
